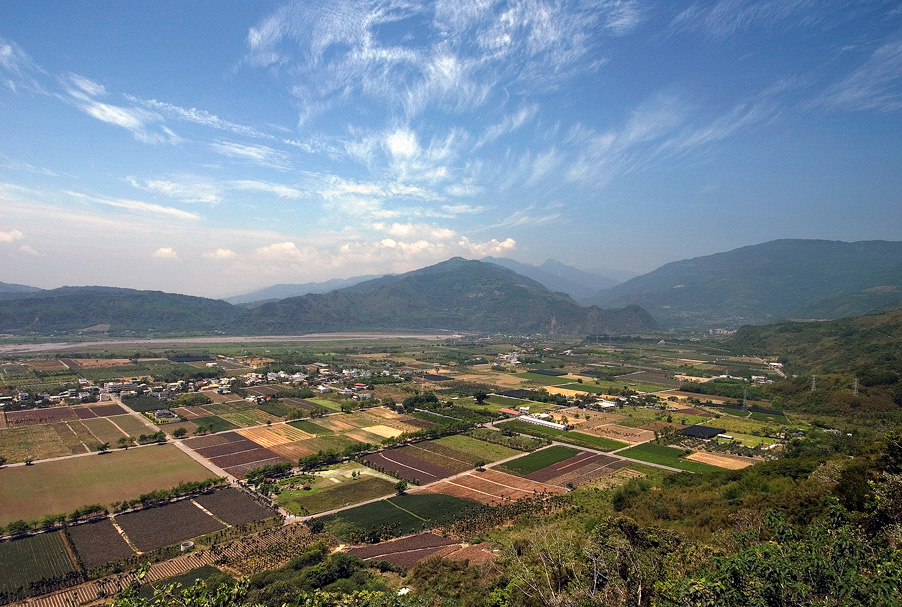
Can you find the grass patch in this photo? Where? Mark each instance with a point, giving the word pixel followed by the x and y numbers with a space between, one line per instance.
pixel 213 423
pixel 186 579
pixel 396 516
pixel 666 456
pixel 324 495
pixel 545 380
pixel 538 460
pixel 58 487
pixel 472 449
pixel 578 439
pixel 310 427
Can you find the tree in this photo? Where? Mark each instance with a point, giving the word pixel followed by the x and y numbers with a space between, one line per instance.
pixel 179 432
pixel 480 397
pixel 2 461
pixel 401 487
pixel 29 461
pixel 480 464
pixel 103 448
pixel 124 442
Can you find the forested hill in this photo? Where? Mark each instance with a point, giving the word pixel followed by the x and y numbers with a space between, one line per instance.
pixel 456 294
pixel 115 311
pixel 865 344
pixel 769 282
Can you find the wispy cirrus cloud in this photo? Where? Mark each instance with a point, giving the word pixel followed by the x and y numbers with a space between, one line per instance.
pixel 260 155
pixel 134 206
pixel 875 85
pixel 20 72
pixel 143 124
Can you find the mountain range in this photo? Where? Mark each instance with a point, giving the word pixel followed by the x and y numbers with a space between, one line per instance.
pixel 769 282
pixel 282 291
pixel 456 294
pixel 558 277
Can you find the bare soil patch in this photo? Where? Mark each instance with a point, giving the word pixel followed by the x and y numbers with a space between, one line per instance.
pixel 721 461
pixel 17 419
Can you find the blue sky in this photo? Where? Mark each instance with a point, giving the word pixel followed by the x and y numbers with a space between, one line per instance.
pixel 212 148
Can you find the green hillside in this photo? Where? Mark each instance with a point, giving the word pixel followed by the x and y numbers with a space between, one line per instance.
pixel 769 282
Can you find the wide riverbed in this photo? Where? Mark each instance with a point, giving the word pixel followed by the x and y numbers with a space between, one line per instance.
pixel 112 343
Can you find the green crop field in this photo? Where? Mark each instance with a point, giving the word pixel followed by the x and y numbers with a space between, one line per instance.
pixel 32 559
pixel 310 427
pixel 666 456
pixel 324 495
pixel 131 425
pixel 639 416
pixel 403 514
pixel 213 423
pixel 578 439
pixel 61 486
pixel 103 430
pixel 472 449
pixel 611 387
pixel 538 460
pixel 546 380
pixel 38 442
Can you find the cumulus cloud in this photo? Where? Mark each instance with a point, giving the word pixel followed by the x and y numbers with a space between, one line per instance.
pixel 220 254
pixel 164 253
pixel 28 250
pixel 11 236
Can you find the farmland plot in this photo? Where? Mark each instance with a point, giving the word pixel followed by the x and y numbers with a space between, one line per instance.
pixel 38 442
pixel 490 487
pixel 32 559
pixel 405 552
pixel 17 419
pixel 99 543
pixel 234 506
pixel 326 495
pixel 164 525
pixel 30 492
pixel 405 463
pixel 103 430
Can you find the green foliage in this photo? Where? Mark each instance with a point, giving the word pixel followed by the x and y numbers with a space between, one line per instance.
pixel 538 460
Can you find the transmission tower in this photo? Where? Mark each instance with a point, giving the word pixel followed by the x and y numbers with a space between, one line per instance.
pixel 813 382
pixel 855 388
pixel 745 401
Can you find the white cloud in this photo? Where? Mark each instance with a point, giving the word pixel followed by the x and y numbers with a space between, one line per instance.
pixel 136 205
pixel 261 155
pixel 282 191
pixel 220 254
pixel 164 253
pixel 186 191
pixel 873 86
pixel 29 250
pixel 492 247
pixel 402 143
pixel 11 236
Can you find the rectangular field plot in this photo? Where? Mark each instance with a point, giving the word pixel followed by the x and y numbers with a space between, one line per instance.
pixel 405 552
pixel 234 506
pixel 548 380
pixel 731 462
pixel 615 432
pixel 490 487
pixel 538 460
pixel 405 463
pixel 107 410
pixel 310 427
pixel 277 434
pixel 61 486
pixel 579 469
pixel 17 419
pixel 131 425
pixel 573 438
pixel 103 430
pixel 32 559
pixel 666 456
pixel 214 423
pixel 459 453
pixel 38 442
pixel 326 495
pixel 99 543
pixel 164 525
pixel 234 453
pixel 403 514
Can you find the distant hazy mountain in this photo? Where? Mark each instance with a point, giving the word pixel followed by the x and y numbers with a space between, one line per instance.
pixel 782 279
pixel 558 277
pixel 116 311
pixel 14 290
pixel 281 291
pixel 455 294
